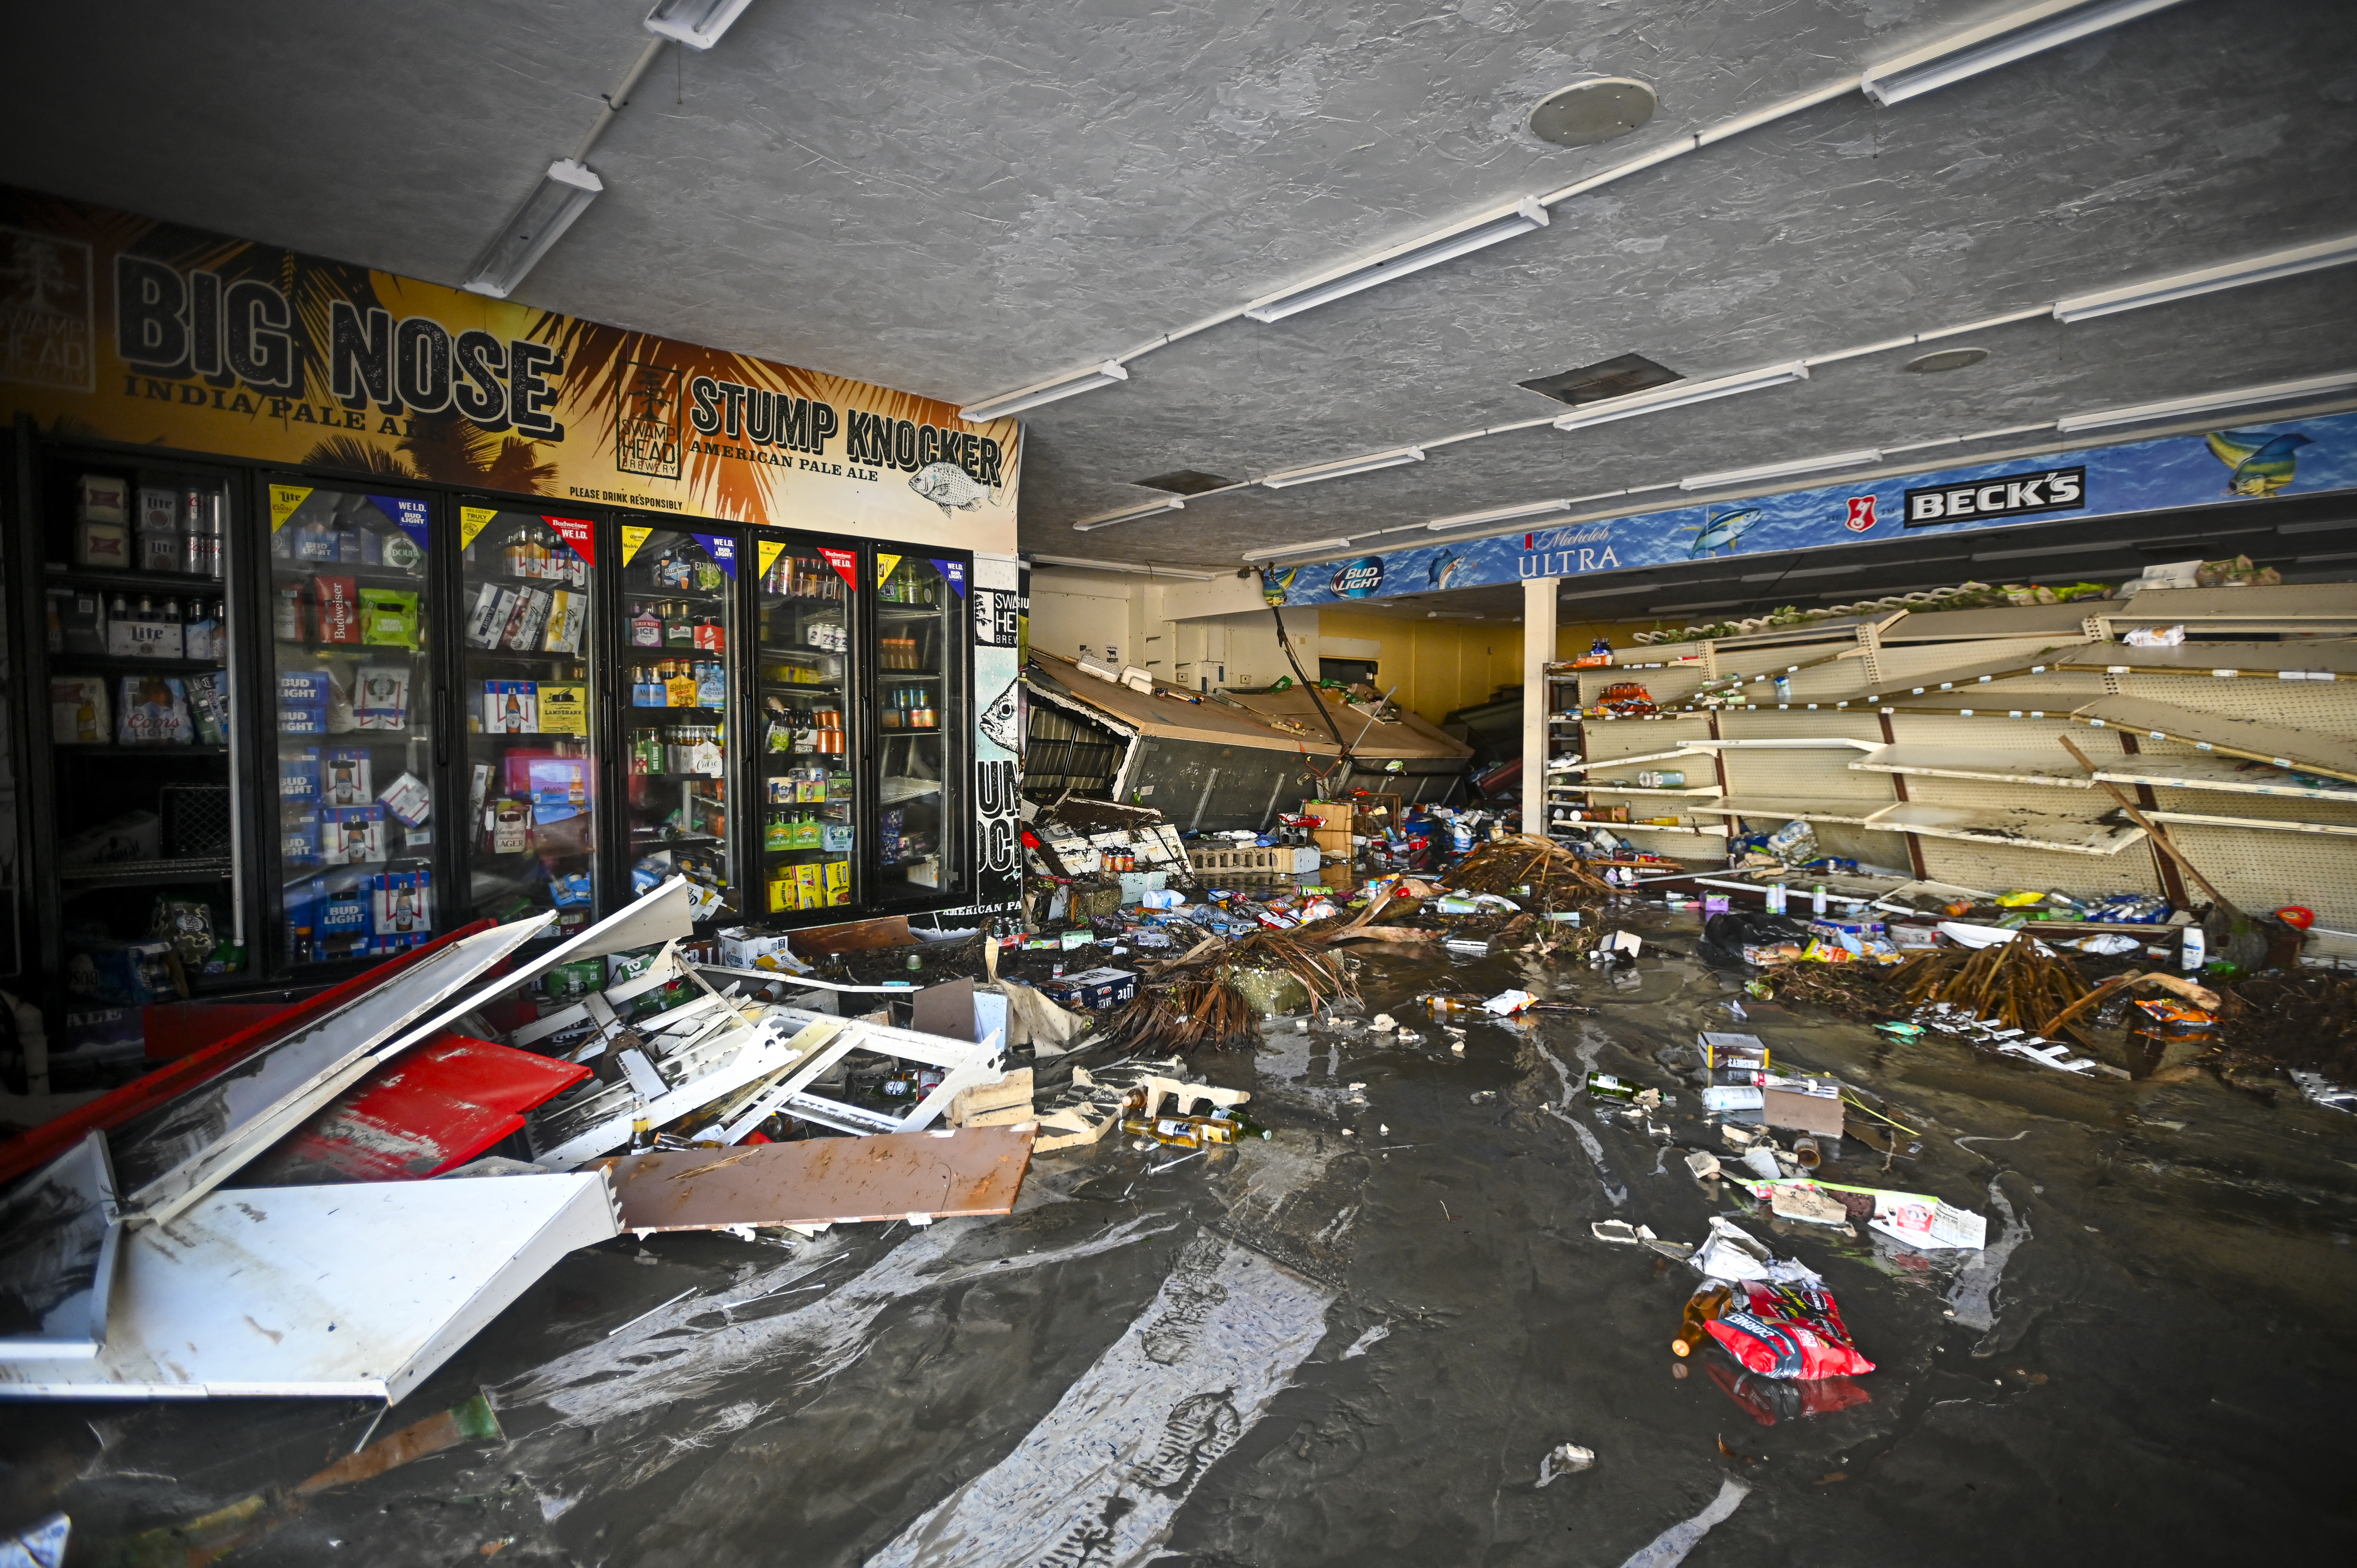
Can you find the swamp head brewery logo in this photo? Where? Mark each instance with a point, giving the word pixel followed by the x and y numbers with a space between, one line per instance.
pixel 45 312
pixel 647 438
pixel 2015 495
pixel 1359 579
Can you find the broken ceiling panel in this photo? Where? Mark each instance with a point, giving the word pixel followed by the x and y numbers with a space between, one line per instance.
pixel 825 1181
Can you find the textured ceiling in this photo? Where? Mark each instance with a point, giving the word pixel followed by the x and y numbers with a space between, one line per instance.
pixel 955 199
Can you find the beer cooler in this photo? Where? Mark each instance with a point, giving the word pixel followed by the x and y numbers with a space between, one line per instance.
pixel 673 681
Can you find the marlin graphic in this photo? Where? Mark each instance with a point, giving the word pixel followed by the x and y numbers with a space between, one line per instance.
pixel 2261 464
pixel 1445 568
pixel 1722 531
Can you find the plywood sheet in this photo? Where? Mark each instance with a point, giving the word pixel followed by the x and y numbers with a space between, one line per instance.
pixel 826 1181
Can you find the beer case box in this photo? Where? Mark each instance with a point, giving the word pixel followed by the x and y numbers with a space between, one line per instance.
pixel 564 710
pixel 103 498
pixel 557 787
pixel 344 778
pixel 1093 989
pixel 741 947
pixel 145 639
pixel 622 966
pixel 338 609
pixel 105 545
pixel 299 835
pixel 498 694
pixel 298 775
pixel 79 711
pixel 153 709
pixel 352 835
pixel 489 620
pixel 809 891
pixel 408 801
pixel 569 616
pixel 303 696
pixel 381 697
pixel 835 877
pixel 81 620
pixel 94 1035
pixel 400 905
pixel 209 707
pixel 527 620
pixel 389 618
pixel 338 912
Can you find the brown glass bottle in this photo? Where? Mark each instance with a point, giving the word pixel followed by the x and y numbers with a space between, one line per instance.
pixel 1703 1306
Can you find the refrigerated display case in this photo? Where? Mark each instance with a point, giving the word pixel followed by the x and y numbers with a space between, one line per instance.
pixel 805 777
pixel 921 810
pixel 530 767
pixel 679 626
pixel 351 678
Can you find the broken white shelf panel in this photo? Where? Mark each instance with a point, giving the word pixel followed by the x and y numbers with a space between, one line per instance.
pixel 1647 790
pixel 2310 658
pixel 2217 773
pixel 1624 761
pixel 1704 830
pixel 1964 677
pixel 1813 809
pixel 2312 606
pixel 2311 751
pixel 2053 768
pixel 2012 826
pixel 2271 824
pixel 346 1292
pixel 59 1231
pixel 1788 742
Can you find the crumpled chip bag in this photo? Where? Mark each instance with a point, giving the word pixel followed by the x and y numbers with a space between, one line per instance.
pixel 1787 1331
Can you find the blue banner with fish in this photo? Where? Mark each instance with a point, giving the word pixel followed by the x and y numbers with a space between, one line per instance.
pixel 2251 461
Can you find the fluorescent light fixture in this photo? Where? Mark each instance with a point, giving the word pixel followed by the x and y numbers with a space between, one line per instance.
pixel 1857 459
pixel 698 23
pixel 2001 40
pixel 1131 514
pixel 1368 464
pixel 2274 391
pixel 1296 548
pixel 1502 514
pixel 1680 394
pixel 1037 392
pixel 1146 568
pixel 2231 274
pixel 1415 256
pixel 564 192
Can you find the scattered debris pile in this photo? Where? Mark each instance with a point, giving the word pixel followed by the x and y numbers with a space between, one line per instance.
pixel 2294 1018
pixel 1541 873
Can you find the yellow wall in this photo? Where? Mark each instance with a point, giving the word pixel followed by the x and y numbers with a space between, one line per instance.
pixel 1438 665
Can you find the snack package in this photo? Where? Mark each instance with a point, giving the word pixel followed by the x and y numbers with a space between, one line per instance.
pixel 1787 1331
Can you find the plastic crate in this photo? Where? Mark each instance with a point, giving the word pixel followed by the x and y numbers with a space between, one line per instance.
pixel 196 820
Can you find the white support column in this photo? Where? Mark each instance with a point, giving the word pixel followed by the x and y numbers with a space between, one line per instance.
pixel 1538 652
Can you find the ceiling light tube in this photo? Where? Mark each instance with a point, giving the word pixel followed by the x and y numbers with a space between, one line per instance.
pixel 1502 514
pixel 1415 256
pixel 1857 459
pixel 1037 392
pixel 1368 464
pixel 1296 548
pixel 564 193
pixel 1998 41
pixel 698 23
pixel 2231 274
pixel 1146 567
pixel 2274 391
pixel 1131 514
pixel 1680 394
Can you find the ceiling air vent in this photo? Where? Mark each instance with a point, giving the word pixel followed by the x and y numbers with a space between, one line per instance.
pixel 1185 482
pixel 1604 379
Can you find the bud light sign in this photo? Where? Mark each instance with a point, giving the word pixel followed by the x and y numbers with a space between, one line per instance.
pixel 1359 579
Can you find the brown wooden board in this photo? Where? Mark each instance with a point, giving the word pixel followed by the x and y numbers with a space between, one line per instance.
pixel 825 1181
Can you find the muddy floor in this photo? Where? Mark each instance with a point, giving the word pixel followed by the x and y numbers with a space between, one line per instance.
pixel 1357 1343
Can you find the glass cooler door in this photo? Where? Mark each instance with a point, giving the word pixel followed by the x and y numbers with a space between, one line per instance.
pixel 802 673
pixel 353 684
pixel 530 767
pixel 679 622
pixel 921 810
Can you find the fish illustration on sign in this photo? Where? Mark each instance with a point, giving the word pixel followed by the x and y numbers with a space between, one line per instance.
pixel 1446 568
pixel 948 487
pixel 1002 719
pixel 1721 531
pixel 1275 585
pixel 2261 465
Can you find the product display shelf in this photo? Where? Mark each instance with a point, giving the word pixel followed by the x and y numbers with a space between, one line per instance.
pixel 2052 769
pixel 2270 824
pixel 143 873
pixel 1772 810
pixel 1644 789
pixel 2223 777
pixel 180 585
pixel 2013 828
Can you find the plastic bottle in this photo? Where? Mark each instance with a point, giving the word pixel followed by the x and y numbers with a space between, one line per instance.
pixel 1817 901
pixel 1701 1308
pixel 1776 897
pixel 2191 956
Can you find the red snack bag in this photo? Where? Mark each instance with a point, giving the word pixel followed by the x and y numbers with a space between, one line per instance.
pixel 1787 1331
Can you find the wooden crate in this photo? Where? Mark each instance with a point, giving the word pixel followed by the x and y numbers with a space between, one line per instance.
pixel 1334 837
